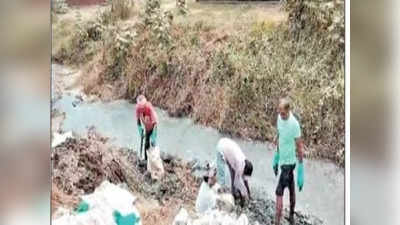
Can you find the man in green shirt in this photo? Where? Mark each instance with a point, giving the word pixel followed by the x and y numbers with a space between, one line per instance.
pixel 289 142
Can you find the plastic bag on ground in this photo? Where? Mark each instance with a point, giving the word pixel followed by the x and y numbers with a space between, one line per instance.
pixel 206 199
pixel 154 163
pixel 243 220
pixel 60 138
pixel 103 203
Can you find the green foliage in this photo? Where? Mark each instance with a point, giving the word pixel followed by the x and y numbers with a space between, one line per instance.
pixel 121 9
pixel 181 6
pixel 117 44
pixel 59 6
pixel 223 67
pixel 260 29
pixel 158 22
pixel 81 41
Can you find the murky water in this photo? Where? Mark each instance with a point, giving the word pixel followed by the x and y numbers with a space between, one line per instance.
pixel 323 193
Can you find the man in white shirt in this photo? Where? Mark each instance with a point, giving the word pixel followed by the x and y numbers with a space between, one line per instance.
pixel 228 152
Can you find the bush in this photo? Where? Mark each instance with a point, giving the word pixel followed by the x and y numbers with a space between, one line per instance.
pixel 117 46
pixel 80 43
pixel 121 9
pixel 59 6
pixel 181 6
pixel 157 22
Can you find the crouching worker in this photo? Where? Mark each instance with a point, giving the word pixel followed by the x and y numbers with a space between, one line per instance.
pixel 146 122
pixel 289 142
pixel 229 153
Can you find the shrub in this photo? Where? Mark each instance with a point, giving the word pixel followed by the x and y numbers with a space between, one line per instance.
pixel 121 9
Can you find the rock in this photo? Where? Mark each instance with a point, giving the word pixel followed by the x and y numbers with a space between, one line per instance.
pixel 167 158
pixel 182 218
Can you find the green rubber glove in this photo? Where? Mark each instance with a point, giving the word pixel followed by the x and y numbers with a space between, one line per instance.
pixel 300 176
pixel 82 207
pixel 275 163
pixel 130 219
pixel 140 130
pixel 153 137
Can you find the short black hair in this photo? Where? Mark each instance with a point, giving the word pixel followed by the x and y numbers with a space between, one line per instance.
pixel 248 168
pixel 285 102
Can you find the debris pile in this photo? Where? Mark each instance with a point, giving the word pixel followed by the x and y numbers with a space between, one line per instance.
pixel 81 165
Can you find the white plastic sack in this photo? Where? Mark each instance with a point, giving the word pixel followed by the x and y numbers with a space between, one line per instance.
pixel 60 138
pixel 243 220
pixel 154 163
pixel 102 203
pixel 216 187
pixel 206 199
pixel 182 218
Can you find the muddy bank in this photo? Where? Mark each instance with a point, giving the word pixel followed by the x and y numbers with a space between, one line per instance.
pixel 81 164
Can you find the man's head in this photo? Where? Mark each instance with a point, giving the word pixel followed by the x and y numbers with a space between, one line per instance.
pixel 211 176
pixel 284 108
pixel 140 99
pixel 248 168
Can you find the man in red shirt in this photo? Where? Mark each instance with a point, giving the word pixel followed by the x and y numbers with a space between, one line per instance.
pixel 146 121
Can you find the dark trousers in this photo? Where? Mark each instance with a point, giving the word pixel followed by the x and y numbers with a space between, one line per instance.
pixel 286 180
pixel 147 143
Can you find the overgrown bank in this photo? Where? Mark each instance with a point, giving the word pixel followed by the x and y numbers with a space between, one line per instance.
pixel 229 79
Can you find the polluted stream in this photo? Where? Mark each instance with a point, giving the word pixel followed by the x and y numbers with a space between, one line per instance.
pixel 323 192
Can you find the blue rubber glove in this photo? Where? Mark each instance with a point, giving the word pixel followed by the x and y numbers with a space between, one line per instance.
pixel 153 137
pixel 140 130
pixel 275 163
pixel 300 176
